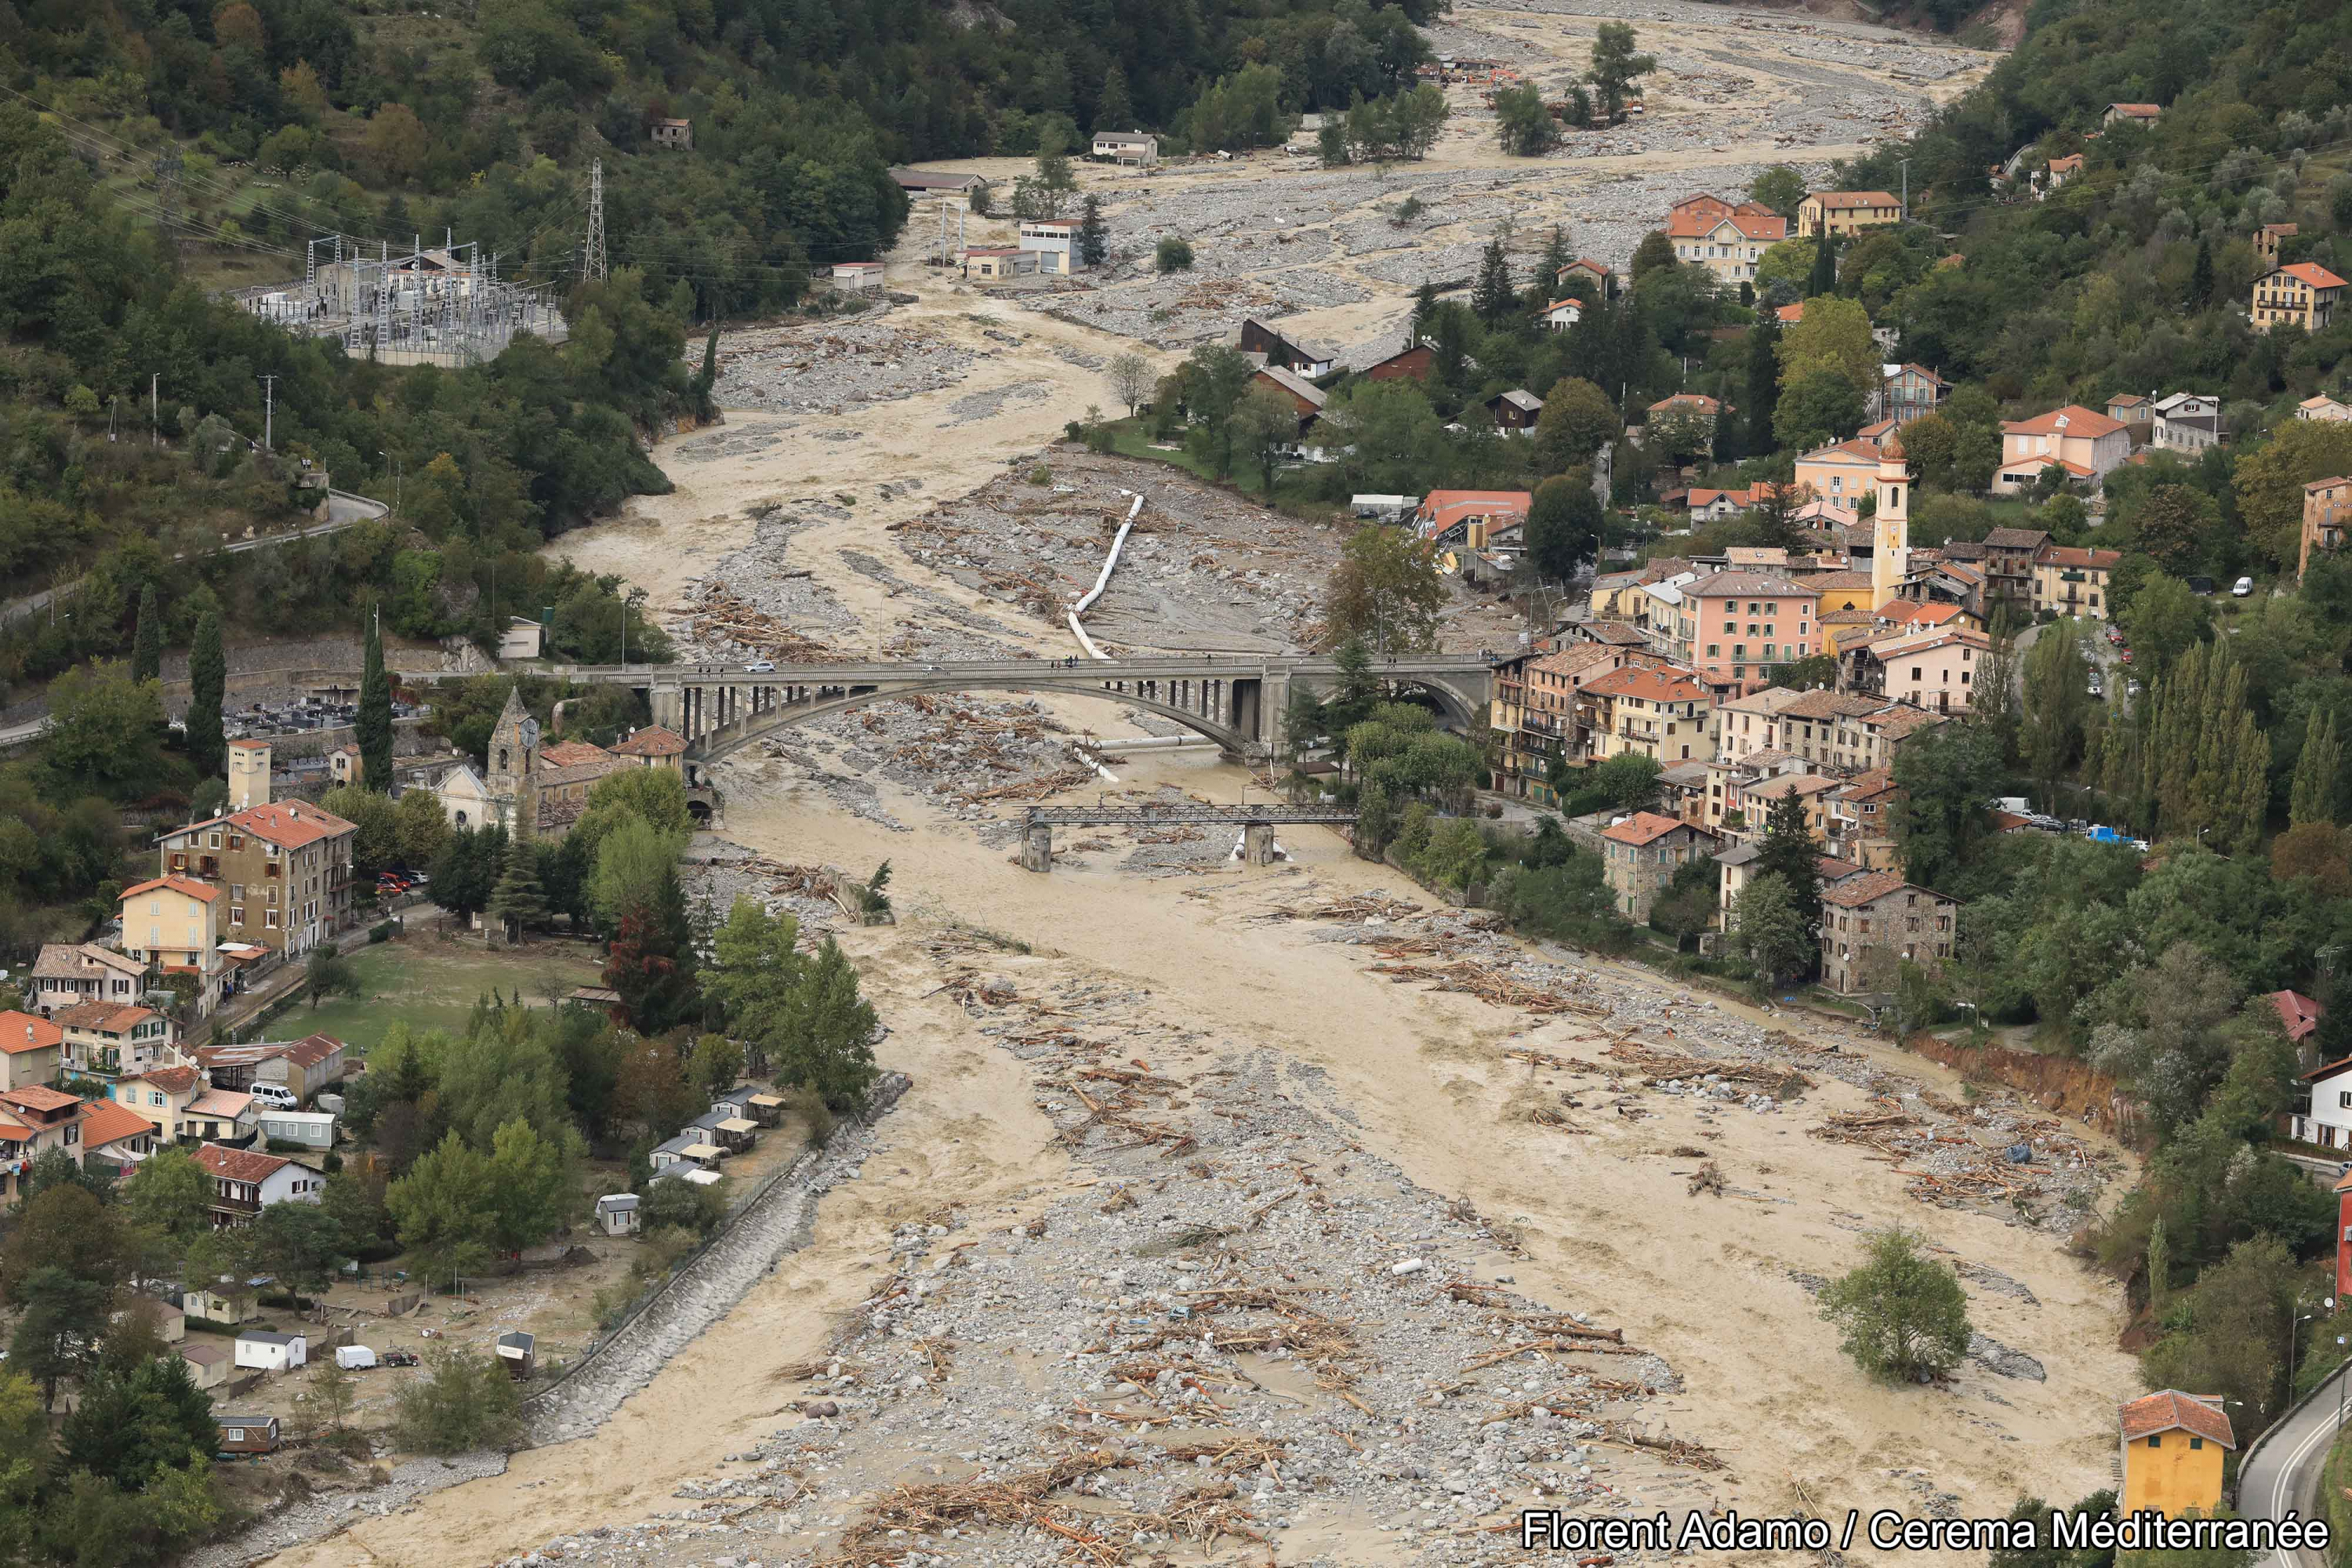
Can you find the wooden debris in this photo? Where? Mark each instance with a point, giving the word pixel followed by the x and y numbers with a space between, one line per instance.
pixel 1707 1179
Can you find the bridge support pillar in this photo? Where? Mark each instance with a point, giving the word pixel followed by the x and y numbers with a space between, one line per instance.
pixel 669 706
pixel 1257 844
pixel 1037 847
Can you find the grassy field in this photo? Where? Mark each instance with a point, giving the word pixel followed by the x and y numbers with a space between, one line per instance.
pixel 428 984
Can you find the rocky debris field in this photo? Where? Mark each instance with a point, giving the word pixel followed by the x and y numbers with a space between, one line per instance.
pixel 1245 1326
pixel 967 757
pixel 834 366
pixel 720 872
pixel 1204 569
pixel 2000 1154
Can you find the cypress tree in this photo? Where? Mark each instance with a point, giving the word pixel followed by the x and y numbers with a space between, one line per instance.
pixel 1424 311
pixel 147 645
pixel 519 897
pixel 2200 276
pixel 1492 299
pixel 1788 852
pixel 2313 798
pixel 375 714
pixel 1824 278
pixel 1093 239
pixel 1763 381
pixel 207 686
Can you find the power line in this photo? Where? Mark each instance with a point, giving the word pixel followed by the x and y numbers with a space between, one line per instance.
pixel 593 252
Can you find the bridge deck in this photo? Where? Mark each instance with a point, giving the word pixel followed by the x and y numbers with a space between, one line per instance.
pixel 1160 816
pixel 1078 672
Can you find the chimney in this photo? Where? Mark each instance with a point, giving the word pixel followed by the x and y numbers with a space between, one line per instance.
pixel 248 774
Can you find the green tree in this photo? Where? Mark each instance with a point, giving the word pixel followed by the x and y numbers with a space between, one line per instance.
pixel 2319 772
pixel 25 1460
pixel 651 964
pixel 1578 420
pixel 52 1342
pixel 466 873
pixel 1563 528
pixel 103 726
pixel 1904 1315
pixel 207 688
pixel 1654 253
pixel 133 1422
pixel 1616 66
pixel 828 1037
pixel 1494 300
pixel 446 1210
pixel 2163 621
pixel 1782 188
pixel 1822 282
pixel 1173 254
pixel 2232 1345
pixel 2174 524
pixel 1763 383
pixel 1386 589
pixel 1094 236
pixel 718 1064
pixel 300 1243
pixel 329 973
pixel 518 901
pixel 147 645
pixel 1626 781
pixel 1833 336
pixel 2269 480
pixel 1770 933
pixel 1788 851
pixel 1265 421
pixel 2057 703
pixel 532 1189
pixel 169 1192
pixel 330 1398
pixel 1945 774
pixel 1523 126
pixel 463 1402
pixel 421 826
pixel 630 864
pixel 375 722
pixel 376 844
pixel 1820 408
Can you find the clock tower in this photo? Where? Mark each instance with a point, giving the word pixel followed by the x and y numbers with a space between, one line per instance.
pixel 1890 553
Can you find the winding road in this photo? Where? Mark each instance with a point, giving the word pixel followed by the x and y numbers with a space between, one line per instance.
pixel 2280 1476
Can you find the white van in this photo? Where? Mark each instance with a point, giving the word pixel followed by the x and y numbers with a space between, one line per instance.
pixel 2244 588
pixel 276 1096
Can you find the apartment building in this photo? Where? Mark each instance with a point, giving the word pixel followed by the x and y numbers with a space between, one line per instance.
pixel 2301 294
pixel 1880 910
pixel 173 926
pixel 1659 712
pixel 284 867
pixel 1844 213
pixel 2083 441
pixel 1733 628
pixel 2327 513
pixel 2069 581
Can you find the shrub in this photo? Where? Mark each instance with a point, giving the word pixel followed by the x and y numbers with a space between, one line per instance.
pixel 465 1402
pixel 1174 255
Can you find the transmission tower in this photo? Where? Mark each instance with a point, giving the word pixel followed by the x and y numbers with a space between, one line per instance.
pixel 592 265
pixel 167 191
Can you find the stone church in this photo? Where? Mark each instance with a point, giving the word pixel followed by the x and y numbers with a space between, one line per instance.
pixel 542 784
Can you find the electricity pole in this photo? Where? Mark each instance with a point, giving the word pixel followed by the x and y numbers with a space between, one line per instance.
pixel 268 411
pixel 1906 187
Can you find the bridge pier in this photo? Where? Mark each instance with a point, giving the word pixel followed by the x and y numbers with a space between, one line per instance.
pixel 1037 847
pixel 1257 844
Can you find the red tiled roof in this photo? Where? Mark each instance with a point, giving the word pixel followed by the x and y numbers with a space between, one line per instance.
pixel 199 891
pixel 2069 555
pixel 1791 314
pixel 40 1099
pixel 106 1018
pixel 171 1080
pixel 2088 423
pixel 1859 890
pixel 312 1049
pixel 289 824
pixel 106 1122
pixel 23 1032
pixel 239 1165
pixel 2311 272
pixel 566 753
pixel 1642 828
pixel 1648 685
pixel 2170 1410
pixel 1837 201
pixel 1699 401
pixel 2142 110
pixel 653 740
pixel 2299 1013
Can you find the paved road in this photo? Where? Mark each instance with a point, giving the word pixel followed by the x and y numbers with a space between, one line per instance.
pixel 2283 1475
pixel 342 511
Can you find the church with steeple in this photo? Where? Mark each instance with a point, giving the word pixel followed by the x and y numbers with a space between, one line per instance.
pixel 542 785
pixel 1890 548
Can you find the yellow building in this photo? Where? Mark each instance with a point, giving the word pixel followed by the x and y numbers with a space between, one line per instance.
pixel 172 923
pixel 2304 295
pixel 1847 212
pixel 2172 1448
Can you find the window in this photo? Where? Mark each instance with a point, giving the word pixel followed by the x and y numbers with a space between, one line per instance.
pixel 269 919
pixel 2195 1444
pixel 2157 1441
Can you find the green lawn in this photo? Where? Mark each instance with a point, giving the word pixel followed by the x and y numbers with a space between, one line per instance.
pixel 428 984
pixel 1293 493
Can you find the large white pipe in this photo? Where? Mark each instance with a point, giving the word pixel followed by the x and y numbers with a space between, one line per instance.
pixel 1102 581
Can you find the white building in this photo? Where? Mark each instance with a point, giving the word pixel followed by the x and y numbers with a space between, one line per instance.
pixel 2327 1120
pixel 1138 147
pixel 2188 422
pixel 2322 408
pixel 857 276
pixel 1055 242
pixel 268 1352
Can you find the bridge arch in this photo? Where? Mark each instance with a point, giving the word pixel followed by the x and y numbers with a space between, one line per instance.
pixel 716 744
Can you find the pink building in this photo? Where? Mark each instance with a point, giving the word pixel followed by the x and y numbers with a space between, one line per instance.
pixel 1734 627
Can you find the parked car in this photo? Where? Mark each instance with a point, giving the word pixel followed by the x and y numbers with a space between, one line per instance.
pixel 276 1096
pixel 397 1358
pixel 2244 588
pixel 760 667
